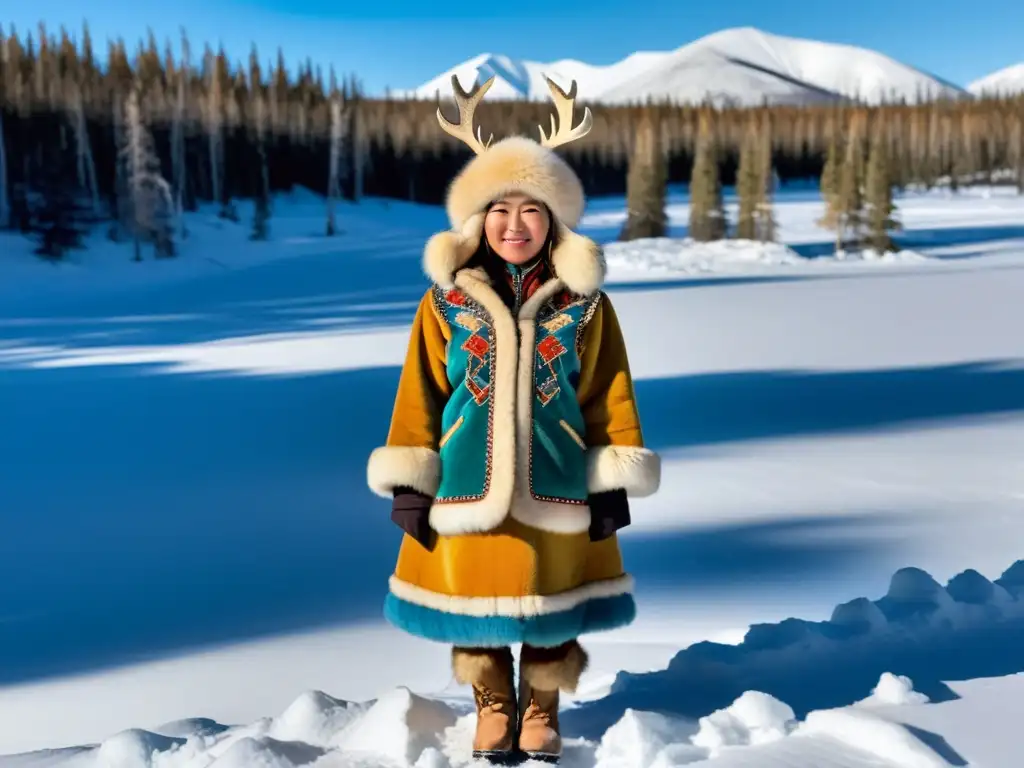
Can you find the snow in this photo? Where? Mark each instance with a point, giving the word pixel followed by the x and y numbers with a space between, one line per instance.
pixel 1007 81
pixel 193 568
pixel 739 66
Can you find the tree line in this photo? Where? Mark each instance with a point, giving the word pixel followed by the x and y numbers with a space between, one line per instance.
pixel 151 134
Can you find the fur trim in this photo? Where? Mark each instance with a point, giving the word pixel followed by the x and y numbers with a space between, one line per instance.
pixel 611 467
pixel 578 261
pixel 393 465
pixel 516 164
pixel 487 513
pixel 517 607
pixel 598 615
pixel 549 516
pixel 553 669
pixel 447 252
pixel 471 666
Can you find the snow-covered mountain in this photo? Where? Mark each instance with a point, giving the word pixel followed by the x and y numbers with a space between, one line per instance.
pixel 525 79
pixel 1006 81
pixel 734 66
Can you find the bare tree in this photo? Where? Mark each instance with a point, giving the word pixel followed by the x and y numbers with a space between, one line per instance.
pixel 5 203
pixel 150 198
pixel 335 169
pixel 85 165
pixel 213 115
pixel 179 162
pixel 261 214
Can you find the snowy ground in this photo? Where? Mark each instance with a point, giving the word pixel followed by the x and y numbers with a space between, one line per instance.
pixel 189 534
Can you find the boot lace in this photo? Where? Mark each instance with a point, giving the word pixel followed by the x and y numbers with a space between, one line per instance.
pixel 534 711
pixel 487 699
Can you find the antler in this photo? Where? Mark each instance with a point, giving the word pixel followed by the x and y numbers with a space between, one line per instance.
pixel 467 106
pixel 564 103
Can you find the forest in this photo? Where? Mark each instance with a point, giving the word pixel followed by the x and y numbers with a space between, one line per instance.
pixel 133 144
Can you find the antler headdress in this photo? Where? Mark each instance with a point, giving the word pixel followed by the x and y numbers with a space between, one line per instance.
pixel 562 133
pixel 521 165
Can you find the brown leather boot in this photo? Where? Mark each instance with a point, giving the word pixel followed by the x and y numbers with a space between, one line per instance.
pixel 490 672
pixel 542 673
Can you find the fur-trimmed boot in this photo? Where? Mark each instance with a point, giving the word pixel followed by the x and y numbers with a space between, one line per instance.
pixel 490 672
pixel 543 672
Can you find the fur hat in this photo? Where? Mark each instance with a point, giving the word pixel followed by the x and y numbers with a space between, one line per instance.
pixel 516 165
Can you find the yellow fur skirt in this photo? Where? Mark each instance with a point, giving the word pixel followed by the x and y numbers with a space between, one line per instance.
pixel 515 584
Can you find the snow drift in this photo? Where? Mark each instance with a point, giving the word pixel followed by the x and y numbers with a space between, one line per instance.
pixel 712 701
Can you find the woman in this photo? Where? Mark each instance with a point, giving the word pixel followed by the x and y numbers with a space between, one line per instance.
pixel 515 439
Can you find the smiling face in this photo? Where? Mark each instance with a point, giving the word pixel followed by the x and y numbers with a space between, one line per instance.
pixel 516 228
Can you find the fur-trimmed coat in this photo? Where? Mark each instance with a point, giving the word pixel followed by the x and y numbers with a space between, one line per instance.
pixel 524 416
pixel 514 423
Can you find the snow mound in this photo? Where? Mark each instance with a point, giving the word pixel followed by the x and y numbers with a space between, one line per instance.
pixel 134 748
pixel 754 718
pixel 892 743
pixel 314 717
pixel 666 254
pixel 401 726
pixel 896 690
pixel 639 740
pixel 685 255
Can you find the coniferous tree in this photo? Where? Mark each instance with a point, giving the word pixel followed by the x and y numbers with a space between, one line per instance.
pixel 58 205
pixel 764 213
pixel 707 210
pixel 748 184
pixel 645 183
pixel 831 177
pixel 878 192
pixel 850 204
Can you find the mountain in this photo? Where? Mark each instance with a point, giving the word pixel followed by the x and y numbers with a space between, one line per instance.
pixel 525 79
pixel 1006 81
pixel 735 66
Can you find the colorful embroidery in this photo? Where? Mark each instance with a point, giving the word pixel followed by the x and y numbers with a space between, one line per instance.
pixel 588 315
pixel 469 321
pixel 550 349
pixel 455 297
pixel 547 390
pixel 476 381
pixel 557 323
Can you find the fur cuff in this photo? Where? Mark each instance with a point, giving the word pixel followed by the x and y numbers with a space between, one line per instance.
pixel 393 465
pixel 553 669
pixel 636 470
pixel 487 666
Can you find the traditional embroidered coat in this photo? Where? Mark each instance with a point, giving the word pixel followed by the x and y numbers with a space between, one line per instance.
pixel 509 417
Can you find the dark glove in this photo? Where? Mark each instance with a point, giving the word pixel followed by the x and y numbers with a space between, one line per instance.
pixel 609 512
pixel 410 511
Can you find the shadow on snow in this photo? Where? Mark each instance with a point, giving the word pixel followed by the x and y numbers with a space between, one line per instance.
pixel 146 514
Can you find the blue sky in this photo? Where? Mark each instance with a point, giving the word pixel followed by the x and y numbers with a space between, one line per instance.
pixel 403 43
